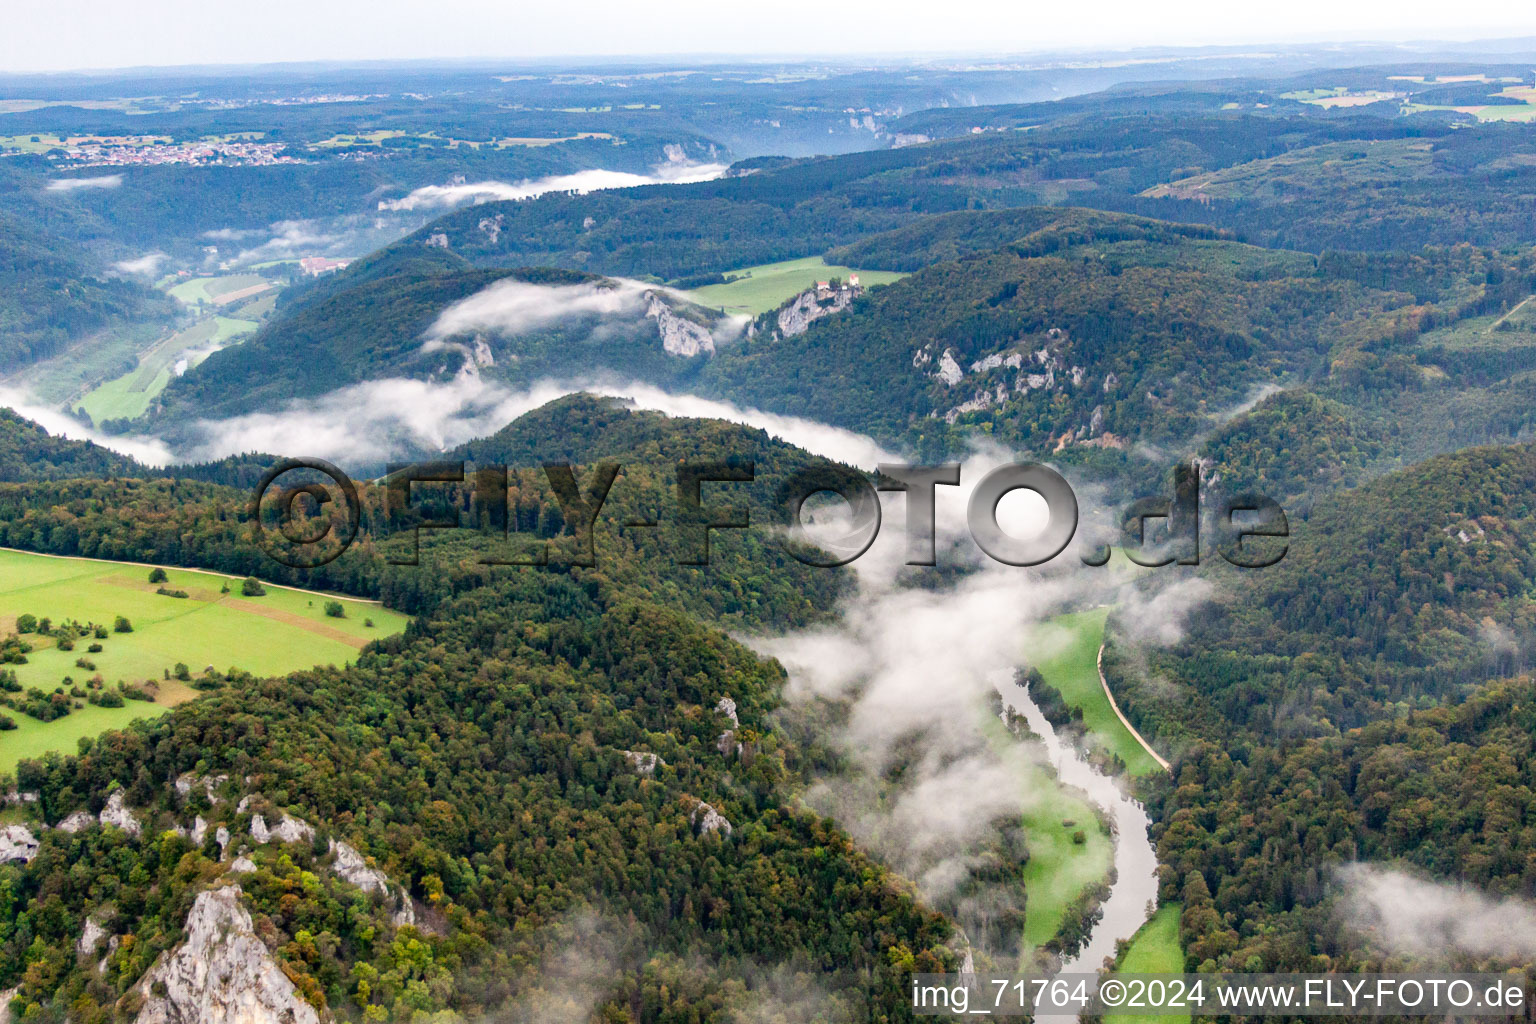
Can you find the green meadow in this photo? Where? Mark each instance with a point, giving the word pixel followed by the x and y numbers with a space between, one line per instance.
pixel 766 287
pixel 1058 869
pixel 128 396
pixel 1073 670
pixel 280 632
pixel 1154 949
pixel 217 289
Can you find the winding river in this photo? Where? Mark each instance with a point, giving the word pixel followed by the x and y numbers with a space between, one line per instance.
pixel 1131 897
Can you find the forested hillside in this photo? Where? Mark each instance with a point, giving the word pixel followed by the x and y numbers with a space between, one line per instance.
pixel 669 910
pixel 1350 704
pixel 28 452
pixel 1451 187
pixel 1094 330
pixel 52 295
pixel 688 909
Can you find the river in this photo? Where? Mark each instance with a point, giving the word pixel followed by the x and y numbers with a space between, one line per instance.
pixel 1130 898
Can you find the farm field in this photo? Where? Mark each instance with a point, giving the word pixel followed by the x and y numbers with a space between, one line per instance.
pixel 1074 671
pixel 765 287
pixel 1154 949
pixel 220 290
pixel 128 396
pixel 282 631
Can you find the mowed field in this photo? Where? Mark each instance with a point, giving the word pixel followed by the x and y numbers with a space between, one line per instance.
pixel 762 288
pixel 221 290
pixel 280 632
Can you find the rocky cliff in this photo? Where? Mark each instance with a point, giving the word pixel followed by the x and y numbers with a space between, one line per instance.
pixel 222 972
pixel 679 335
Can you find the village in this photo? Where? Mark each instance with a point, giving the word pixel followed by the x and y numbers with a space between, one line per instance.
pixel 127 151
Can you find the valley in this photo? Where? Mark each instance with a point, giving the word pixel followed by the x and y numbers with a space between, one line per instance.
pixel 433 781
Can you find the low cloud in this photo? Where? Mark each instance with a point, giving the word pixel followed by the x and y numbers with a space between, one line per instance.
pixel 375 421
pixel 511 307
pixel 914 669
pixel 398 418
pixel 149 450
pixel 74 184
pixel 1405 914
pixel 290 238
pixel 145 265
pixel 431 197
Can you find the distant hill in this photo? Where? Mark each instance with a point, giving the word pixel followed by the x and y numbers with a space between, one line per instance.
pixel 373 323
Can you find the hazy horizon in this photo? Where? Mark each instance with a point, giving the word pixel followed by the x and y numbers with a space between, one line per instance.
pixel 92 36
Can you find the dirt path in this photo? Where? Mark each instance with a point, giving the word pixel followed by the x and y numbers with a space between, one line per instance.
pixel 1125 721
pixel 295 619
pixel 1495 325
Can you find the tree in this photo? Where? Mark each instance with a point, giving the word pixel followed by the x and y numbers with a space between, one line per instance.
pixel 334 610
pixel 26 623
pixel 251 587
pixel 157 575
pixel 122 625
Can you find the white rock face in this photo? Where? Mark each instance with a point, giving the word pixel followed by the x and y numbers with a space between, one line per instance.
pixel 222 835
pixel 89 937
pixel 76 821
pixel 806 307
pixel 199 830
pixel 287 830
pixel 222 973
pixel 350 866
pixel 18 797
pixel 112 944
pixel 679 336
pixel 949 370
pixel 708 820
pixel 116 814
pixel 209 784
pixel 644 762
pixel 242 865
pixel 5 1003
pixel 727 743
pixel 727 707
pixel 404 913
pixel 17 844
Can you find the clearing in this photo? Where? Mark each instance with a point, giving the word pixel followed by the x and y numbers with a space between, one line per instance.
pixel 290 632
pixel 766 287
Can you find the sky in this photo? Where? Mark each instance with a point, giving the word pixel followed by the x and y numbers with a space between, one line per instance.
pixel 52 35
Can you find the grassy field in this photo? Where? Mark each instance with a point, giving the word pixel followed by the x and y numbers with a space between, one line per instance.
pixel 762 288
pixel 217 290
pixel 1073 670
pixel 280 632
pixel 1058 869
pixel 1154 949
pixel 127 397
